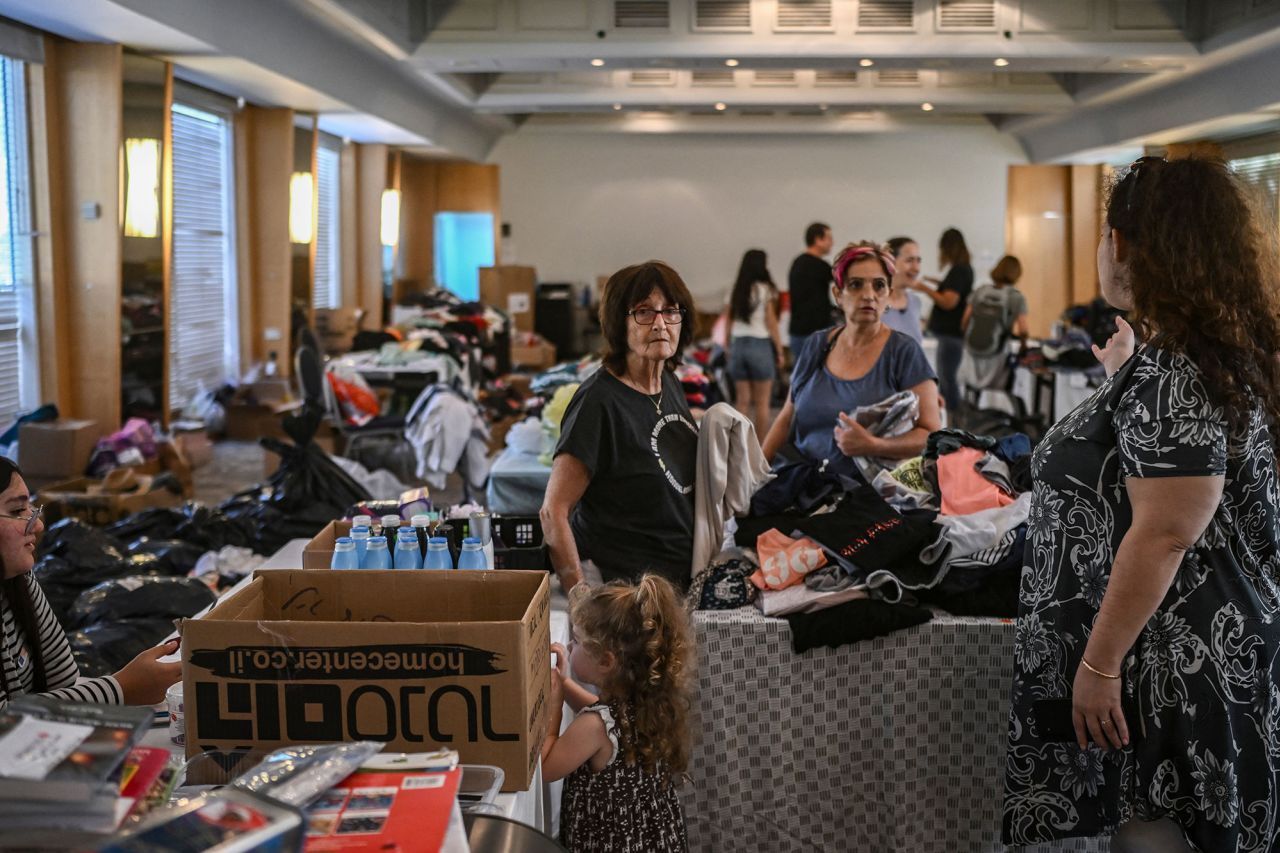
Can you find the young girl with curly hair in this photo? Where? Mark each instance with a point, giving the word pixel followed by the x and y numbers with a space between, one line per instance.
pixel 626 748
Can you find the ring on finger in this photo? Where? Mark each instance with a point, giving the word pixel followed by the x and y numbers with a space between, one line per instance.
pixel 1105 722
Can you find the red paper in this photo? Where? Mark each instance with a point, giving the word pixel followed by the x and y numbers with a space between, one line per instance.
pixel 384 811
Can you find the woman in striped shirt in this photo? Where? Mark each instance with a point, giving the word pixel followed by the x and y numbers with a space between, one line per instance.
pixel 45 665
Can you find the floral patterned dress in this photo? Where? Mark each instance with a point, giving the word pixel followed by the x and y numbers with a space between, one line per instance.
pixel 1202 683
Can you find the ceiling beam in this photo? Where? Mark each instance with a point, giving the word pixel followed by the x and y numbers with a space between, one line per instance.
pixel 1234 81
pixel 285 38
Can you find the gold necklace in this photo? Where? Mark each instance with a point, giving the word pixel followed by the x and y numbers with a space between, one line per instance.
pixel 657 404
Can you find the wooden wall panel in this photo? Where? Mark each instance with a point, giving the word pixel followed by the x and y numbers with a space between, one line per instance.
pixel 349 226
pixel 268 162
pixel 416 261
pixel 82 104
pixel 1086 226
pixel 470 188
pixel 371 180
pixel 1037 231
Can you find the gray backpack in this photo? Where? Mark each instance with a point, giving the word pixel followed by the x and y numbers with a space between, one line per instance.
pixel 989 322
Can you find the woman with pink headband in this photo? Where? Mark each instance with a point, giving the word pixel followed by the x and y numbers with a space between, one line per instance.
pixel 859 363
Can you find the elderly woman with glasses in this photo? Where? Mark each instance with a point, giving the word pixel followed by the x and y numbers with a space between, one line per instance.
pixel 34 654
pixel 620 499
pixel 860 363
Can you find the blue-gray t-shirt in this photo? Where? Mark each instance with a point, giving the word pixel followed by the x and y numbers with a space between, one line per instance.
pixel 818 397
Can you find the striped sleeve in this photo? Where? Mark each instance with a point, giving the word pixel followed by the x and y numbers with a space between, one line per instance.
pixel 61 673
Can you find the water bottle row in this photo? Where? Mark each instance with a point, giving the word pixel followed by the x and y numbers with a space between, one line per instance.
pixel 372 553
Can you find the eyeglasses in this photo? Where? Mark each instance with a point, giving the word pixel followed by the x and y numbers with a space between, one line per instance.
pixel 32 516
pixel 646 316
pixel 879 285
pixel 1135 171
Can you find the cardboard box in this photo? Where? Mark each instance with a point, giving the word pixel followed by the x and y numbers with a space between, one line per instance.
pixel 76 499
pixel 336 328
pixel 538 356
pixel 511 289
pixel 57 449
pixel 419 660
pixel 195 445
pixel 267 391
pixel 318 553
pixel 252 421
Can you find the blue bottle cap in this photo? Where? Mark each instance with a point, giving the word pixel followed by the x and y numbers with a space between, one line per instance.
pixel 471 542
pixel 439 541
pixel 377 541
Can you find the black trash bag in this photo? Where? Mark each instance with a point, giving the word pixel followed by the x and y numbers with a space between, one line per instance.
pixel 174 556
pixel 57 579
pixel 138 597
pixel 76 541
pixel 114 644
pixel 213 529
pixel 90 664
pixel 158 523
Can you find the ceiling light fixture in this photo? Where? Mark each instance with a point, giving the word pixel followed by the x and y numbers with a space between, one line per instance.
pixel 927 107
pixel 597 62
pixel 617 106
pixel 866 63
pixel 732 63
pixel 1001 62
pixel 720 107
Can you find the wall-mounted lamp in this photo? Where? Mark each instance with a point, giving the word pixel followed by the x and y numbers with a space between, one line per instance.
pixel 300 199
pixel 390 217
pixel 142 193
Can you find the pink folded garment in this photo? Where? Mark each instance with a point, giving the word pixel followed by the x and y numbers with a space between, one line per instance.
pixel 785 561
pixel 964 489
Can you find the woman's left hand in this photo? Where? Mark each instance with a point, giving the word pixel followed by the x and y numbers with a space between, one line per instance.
pixel 853 438
pixel 1096 711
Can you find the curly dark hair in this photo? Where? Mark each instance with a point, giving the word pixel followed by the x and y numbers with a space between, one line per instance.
pixel 1202 271
pixel 645 628
pixel 626 289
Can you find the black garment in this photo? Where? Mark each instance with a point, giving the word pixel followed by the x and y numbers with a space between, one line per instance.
pixel 810 283
pixel 802 486
pixel 944 321
pixel 875 543
pixel 637 513
pixel 950 440
pixel 860 619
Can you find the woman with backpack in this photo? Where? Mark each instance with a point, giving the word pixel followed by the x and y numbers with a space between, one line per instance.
pixel 995 313
pixel 755 341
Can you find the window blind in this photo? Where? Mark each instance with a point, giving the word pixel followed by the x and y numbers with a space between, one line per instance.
pixel 203 282
pixel 1263 173
pixel 327 284
pixel 19 354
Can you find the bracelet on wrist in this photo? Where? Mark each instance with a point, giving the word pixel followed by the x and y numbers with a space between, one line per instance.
pixel 1097 671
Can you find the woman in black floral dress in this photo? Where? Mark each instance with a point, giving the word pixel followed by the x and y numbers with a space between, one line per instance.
pixel 1151 595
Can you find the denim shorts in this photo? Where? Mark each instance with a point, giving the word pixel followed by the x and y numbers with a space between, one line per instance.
pixel 752 360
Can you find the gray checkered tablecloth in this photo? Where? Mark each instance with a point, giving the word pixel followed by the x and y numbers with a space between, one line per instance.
pixel 892 744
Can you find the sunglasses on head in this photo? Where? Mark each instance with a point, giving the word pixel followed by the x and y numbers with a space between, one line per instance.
pixel 1133 174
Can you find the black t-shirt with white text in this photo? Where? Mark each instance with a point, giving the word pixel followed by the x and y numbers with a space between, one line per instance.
pixel 636 515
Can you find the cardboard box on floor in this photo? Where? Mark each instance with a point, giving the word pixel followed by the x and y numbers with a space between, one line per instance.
pixel 76 498
pixel 538 355
pixel 57 450
pixel 418 660
pixel 511 289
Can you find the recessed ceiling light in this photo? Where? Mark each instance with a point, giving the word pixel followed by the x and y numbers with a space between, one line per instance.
pixel 927 107
pixel 597 62
pixel 822 107
pixel 617 106
pixel 1001 62
pixel 866 63
pixel 720 107
pixel 732 63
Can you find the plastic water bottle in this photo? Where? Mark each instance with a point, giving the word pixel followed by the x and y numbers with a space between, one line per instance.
pixel 438 556
pixel 421 524
pixel 472 556
pixel 377 557
pixel 344 554
pixel 407 555
pixel 360 536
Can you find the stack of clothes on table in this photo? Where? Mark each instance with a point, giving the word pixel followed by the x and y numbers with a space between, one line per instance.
pixel 844 559
pixel 699 390
pixel 447 325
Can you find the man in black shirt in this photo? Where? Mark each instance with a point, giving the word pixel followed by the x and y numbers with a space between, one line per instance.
pixel 810 284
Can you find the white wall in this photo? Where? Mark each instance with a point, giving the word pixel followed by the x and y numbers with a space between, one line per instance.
pixel 585 204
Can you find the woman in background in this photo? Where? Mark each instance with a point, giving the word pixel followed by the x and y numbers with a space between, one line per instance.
pixel 950 300
pixel 755 341
pixel 903 311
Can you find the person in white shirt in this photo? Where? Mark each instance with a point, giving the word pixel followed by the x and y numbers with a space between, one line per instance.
pixel 755 341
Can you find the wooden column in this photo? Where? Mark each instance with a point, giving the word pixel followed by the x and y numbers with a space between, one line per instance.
pixel 77 120
pixel 1038 232
pixel 264 162
pixel 1086 227
pixel 416 261
pixel 371 180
